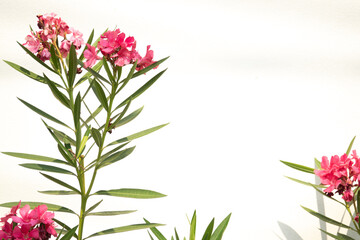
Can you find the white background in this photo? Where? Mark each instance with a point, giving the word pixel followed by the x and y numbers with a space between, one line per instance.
pixel 249 83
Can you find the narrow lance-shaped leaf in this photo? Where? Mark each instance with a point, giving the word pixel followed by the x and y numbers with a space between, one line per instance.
pixel 193 227
pixel 60 182
pixel 58 192
pixel 138 135
pixel 97 136
pixel 219 231
pixel 299 167
pixel 142 89
pixel 145 70
pixel 93 207
pixel 121 121
pixel 344 237
pixel 350 146
pixel 35 157
pixel 64 226
pixel 83 142
pixel 87 75
pixel 129 76
pixel 120 116
pixel 317 164
pixel 36 58
pixel 108 71
pixel 94 73
pixel 99 92
pixel 156 232
pixel 209 230
pixel 51 207
pixel 69 234
pixel 72 66
pixel 305 183
pixel 62 136
pixel 42 113
pixel 110 213
pixel 176 235
pixel 124 229
pixel 58 95
pixel 27 72
pixel 47 168
pixel 326 219
pixel 116 157
pixel 130 193
pixel 54 59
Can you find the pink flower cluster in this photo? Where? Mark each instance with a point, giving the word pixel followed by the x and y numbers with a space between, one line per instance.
pixel 30 225
pixel 50 29
pixel 341 174
pixel 119 50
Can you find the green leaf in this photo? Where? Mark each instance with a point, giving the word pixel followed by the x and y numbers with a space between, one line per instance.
pixel 27 72
pixel 34 157
pixel 64 226
pixel 129 76
pixel 344 237
pixel 93 115
pixel 141 90
pixel 121 121
pixel 93 207
pixel 124 229
pixel 193 227
pixel 299 167
pixel 208 231
pixel 69 234
pixel 326 219
pixel 94 73
pixel 176 235
pixel 150 235
pixel 36 58
pixel 77 111
pixel 83 142
pixel 305 183
pixel 145 70
pixel 219 231
pixel 42 113
pixel 63 137
pixel 350 146
pixel 116 157
pixel 138 135
pixel 113 125
pixel 87 75
pixel 72 66
pixel 58 192
pixel 58 95
pixel 60 182
pixel 111 213
pixel 54 59
pixel 48 168
pixel 97 136
pixel 108 71
pixel 155 231
pixel 51 207
pixel 331 235
pixel 99 92
pixel 130 193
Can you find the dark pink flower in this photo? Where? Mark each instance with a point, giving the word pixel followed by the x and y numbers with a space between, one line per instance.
pixel 147 60
pixel 91 56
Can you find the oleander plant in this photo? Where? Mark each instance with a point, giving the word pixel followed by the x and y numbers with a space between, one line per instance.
pixel 79 74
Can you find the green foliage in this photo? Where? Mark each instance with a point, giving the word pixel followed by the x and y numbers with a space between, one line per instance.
pixel 209 234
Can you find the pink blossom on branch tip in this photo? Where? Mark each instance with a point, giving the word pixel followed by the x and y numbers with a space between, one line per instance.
pixel 91 56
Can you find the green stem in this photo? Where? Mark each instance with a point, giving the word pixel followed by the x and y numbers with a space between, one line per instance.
pixel 352 218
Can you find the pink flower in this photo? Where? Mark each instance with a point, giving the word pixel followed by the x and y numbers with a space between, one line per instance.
pixel 91 56
pixel 32 43
pixel 348 195
pixel 65 48
pixel 76 38
pixel 147 60
pixel 44 54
